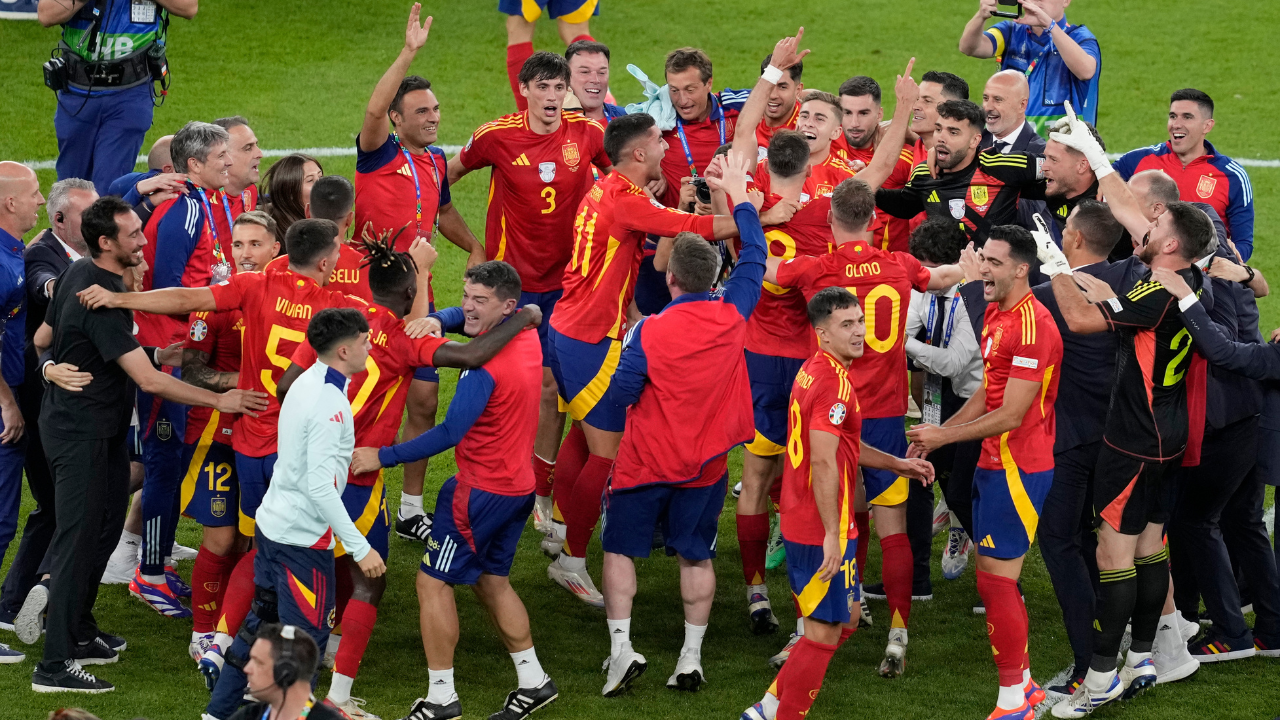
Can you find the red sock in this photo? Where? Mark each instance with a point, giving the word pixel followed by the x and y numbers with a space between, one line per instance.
pixel 845 634
pixel 542 471
pixel 357 627
pixel 207 585
pixel 584 507
pixel 1005 625
pixel 569 462
pixel 516 55
pixel 238 596
pixel 583 36
pixel 806 669
pixel 775 492
pixel 863 520
pixel 896 569
pixel 1026 633
pixel 753 541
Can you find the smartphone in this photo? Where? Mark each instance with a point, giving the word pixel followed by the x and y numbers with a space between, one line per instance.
pixel 1015 13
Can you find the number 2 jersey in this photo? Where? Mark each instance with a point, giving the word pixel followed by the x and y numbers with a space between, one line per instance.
pixel 882 282
pixel 779 326
pixel 823 399
pixel 218 335
pixel 276 307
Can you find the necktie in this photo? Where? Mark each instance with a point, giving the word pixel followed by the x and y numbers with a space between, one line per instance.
pixel 1002 147
pixel 935 338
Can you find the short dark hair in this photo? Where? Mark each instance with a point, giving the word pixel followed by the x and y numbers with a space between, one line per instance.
pixel 333 326
pixel 953 86
pixel 1097 225
pixel 795 71
pixel 788 154
pixel 99 220
pixel 694 264
pixel 827 301
pixel 1199 97
pixel 1022 247
pixel 937 241
pixel 965 110
pixel 302 648
pixel 544 65
pixel 407 85
pixel 686 57
pixel 309 240
pixel 622 131
pixel 586 47
pixel 227 123
pixel 853 205
pixel 497 275
pixel 332 198
pixel 1193 228
pixel 860 86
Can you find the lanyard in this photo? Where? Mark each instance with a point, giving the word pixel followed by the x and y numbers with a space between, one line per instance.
pixel 306 710
pixel 684 143
pixel 417 187
pixel 1048 48
pixel 208 219
pixel 951 318
pixel 226 207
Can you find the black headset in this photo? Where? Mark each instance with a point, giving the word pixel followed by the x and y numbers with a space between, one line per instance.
pixel 286 667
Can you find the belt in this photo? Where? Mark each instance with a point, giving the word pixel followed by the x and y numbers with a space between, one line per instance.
pixel 123 73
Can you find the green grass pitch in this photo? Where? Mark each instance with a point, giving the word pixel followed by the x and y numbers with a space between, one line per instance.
pixel 301 72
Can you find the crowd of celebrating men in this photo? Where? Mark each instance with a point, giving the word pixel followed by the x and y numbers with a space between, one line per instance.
pixel 781 268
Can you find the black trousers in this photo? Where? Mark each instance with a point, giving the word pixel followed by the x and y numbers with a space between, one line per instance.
pixel 26 568
pixel 953 467
pixel 1199 559
pixel 1070 547
pixel 91 478
pixel 1246 536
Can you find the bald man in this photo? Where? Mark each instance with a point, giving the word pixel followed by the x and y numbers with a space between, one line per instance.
pixel 158 183
pixel 1004 104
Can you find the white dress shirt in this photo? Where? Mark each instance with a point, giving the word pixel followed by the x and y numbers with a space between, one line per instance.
pixel 1011 138
pixel 959 360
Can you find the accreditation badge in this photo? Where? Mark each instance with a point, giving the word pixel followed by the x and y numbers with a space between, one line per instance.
pixel 142 11
pixel 932 411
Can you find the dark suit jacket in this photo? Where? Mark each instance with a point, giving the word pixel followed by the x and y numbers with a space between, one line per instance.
pixel 45 260
pixel 1028 141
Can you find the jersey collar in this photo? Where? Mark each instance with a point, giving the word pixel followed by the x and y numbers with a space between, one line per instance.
pixel 10 242
pixel 859 249
pixel 334 378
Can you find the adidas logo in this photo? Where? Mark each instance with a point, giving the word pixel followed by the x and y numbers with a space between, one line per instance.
pixel 523 662
pixel 522 160
pixel 404 170
pixel 1165 627
pixel 336 418
pixel 618 631
pixel 933 197
pixel 987 542
pixel 439 682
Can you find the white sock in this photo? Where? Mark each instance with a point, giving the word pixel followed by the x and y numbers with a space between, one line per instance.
pixel 128 537
pixel 693 638
pixel 410 505
pixel 529 672
pixel 1134 658
pixel 441 690
pixel 800 626
pixel 155 579
pixel 769 703
pixel 196 635
pixel 1172 628
pixel 1011 697
pixel 619 634
pixel 223 641
pixel 168 561
pixel 758 589
pixel 1026 676
pixel 572 564
pixel 340 688
pixel 1098 681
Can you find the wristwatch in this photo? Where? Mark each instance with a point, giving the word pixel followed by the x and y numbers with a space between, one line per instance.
pixel 1251 272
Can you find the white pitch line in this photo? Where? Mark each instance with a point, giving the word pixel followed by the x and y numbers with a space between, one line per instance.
pixel 452 149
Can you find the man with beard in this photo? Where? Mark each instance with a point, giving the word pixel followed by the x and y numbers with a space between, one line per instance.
pixel 240 194
pixel 859 98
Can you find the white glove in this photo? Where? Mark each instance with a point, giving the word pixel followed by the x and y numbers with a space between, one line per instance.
pixel 1052 261
pixel 1072 132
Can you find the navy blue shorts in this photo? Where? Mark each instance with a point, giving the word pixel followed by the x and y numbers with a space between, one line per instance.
pixel 367 507
pixel 888 435
pixel 689 518
pixel 573 11
pixel 254 475
pixel 584 376
pixel 134 440
pixel 210 493
pixel 474 532
pixel 303 580
pixel 771 379
pixel 547 302
pixel 830 601
pixel 1006 510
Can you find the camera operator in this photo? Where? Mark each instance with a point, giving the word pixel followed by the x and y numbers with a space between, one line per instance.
pixel 102 71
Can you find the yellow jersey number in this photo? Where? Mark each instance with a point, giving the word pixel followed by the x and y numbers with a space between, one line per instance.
pixel 1171 372
pixel 219 476
pixel 277 334
pixel 876 320
pixel 549 194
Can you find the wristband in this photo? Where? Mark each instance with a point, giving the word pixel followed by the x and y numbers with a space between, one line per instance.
pixel 1251 272
pixel 771 75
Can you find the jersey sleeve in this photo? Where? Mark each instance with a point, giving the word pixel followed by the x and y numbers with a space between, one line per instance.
pixel 478 152
pixel 1127 165
pixel 231 294
pixel 733 99
pixel 176 238
pixel 442 169
pixel 1000 34
pixel 1240 209
pixel 305 356
pixel 201 332
pixel 640 213
pixel 601 158
pixel 423 350
pixel 1143 307
pixel 633 368
pixel 830 404
pixel 901 172
pixel 367 162
pixel 901 203
pixel 1019 170
pixel 918 274
pixel 798 272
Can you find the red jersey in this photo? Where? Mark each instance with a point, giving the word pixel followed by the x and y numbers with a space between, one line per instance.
pixel 226 208
pixel 534 190
pixel 822 399
pixel 779 326
pixel 882 281
pixel 379 392
pixel 889 233
pixel 822 181
pixel 608 244
pixel 1021 343
pixel 277 307
pixel 391 193
pixel 764 133
pixel 495 455
pixel 217 334
pixel 690 145
pixel 348 277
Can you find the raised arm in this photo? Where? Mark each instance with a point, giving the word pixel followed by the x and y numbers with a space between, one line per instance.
pixel 890 147
pixel 185 9
pixel 1072 132
pixel 373 133
pixel 166 301
pixel 784 56
pixel 1077 59
pixel 56 12
pixel 973 41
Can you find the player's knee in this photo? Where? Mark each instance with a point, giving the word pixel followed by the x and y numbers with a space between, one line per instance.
pixel 219 540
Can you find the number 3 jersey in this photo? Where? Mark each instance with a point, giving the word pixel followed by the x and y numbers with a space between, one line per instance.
pixel 1148 414
pixel 216 334
pixel 276 307
pixel 882 282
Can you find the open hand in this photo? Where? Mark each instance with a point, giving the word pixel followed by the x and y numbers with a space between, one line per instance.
pixel 67 376
pixel 422 327
pixel 917 469
pixel 1171 281
pixel 96 296
pixel 365 460
pixel 415 34
pixel 927 437
pixel 242 401
pixel 1095 290
pixel 786 53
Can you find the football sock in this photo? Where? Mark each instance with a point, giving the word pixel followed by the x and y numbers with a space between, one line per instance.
pixel 775 491
pixel 208 581
pixel 1169 631
pixel 845 634
pixel 238 597
pixel 1117 593
pixel 1026 624
pixel 357 626
pixel 584 506
pixel 1011 697
pixel 410 505
pixel 571 563
pixel 158 580
pixel 340 688
pixel 693 635
pixel 542 471
pixel 619 635
pixel 769 703
pixel 1005 626
pixel 799 625
pixel 806 669
pixel 897 570
pixel 753 541
pixel 1134 658
pixel 1152 580
pixel 516 55
pixel 863 521
pixel 440 686
pixel 529 672
pixel 569 462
